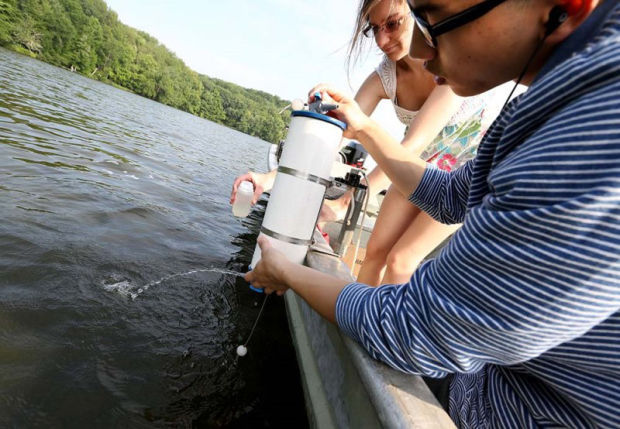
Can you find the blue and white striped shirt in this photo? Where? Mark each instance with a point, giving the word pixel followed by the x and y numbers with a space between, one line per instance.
pixel 523 304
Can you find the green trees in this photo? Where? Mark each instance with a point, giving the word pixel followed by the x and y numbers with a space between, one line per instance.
pixel 86 36
pixel 211 101
pixel 8 17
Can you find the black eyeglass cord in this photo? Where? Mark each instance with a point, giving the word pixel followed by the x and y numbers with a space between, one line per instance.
pixel 527 66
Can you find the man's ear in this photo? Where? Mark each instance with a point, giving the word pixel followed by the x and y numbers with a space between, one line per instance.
pixel 575 7
pixel 565 17
pixel 557 17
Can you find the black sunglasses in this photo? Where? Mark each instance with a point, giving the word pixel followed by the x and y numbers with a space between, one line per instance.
pixel 431 32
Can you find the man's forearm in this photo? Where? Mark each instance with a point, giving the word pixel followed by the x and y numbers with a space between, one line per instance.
pixel 404 169
pixel 318 289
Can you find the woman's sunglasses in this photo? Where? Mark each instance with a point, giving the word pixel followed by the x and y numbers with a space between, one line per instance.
pixel 389 27
pixel 431 32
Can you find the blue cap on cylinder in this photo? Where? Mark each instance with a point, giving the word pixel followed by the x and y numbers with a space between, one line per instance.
pixel 321 117
pixel 256 289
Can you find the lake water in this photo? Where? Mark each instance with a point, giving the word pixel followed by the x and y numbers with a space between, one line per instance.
pixel 113 206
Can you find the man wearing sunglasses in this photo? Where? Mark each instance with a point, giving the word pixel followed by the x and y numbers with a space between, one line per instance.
pixel 483 45
pixel 522 307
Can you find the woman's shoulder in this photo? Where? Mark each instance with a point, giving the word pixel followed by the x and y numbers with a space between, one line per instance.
pixel 386 65
pixel 371 89
pixel 386 71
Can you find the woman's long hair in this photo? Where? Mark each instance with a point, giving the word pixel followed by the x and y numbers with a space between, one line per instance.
pixel 358 42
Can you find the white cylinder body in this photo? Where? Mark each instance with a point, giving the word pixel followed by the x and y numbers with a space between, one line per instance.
pixel 309 150
pixel 243 200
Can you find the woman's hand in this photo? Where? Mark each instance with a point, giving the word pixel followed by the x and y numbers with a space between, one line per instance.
pixel 258 180
pixel 270 272
pixel 348 110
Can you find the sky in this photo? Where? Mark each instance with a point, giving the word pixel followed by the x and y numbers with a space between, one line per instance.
pixel 283 47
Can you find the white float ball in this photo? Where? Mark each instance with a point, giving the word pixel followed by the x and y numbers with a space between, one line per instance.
pixel 242 351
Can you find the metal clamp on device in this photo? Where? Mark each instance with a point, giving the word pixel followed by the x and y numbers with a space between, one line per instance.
pixel 303 175
pixel 352 180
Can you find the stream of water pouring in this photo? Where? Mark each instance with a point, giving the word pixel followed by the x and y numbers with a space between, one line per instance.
pixel 126 288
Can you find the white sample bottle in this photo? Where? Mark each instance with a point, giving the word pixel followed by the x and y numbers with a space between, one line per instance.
pixel 243 201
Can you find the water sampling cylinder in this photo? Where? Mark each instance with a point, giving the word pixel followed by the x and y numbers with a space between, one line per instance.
pixel 303 176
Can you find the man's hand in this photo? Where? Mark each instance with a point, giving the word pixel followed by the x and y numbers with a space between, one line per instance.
pixel 270 272
pixel 348 110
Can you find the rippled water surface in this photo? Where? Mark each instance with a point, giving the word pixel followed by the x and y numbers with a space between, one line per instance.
pixel 113 208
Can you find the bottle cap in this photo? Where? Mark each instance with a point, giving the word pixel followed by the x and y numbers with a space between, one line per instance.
pixel 246 186
pixel 297 104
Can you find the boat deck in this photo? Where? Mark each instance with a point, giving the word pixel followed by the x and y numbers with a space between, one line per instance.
pixel 344 387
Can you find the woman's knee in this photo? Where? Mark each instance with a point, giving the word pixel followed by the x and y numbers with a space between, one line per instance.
pixel 376 251
pixel 401 260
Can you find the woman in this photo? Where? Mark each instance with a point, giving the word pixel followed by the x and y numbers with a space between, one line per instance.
pixel 403 235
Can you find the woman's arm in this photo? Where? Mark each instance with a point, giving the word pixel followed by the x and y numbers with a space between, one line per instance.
pixel 437 110
pixel 370 93
pixel 435 113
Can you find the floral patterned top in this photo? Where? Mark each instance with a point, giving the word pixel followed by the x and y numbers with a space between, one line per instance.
pixel 459 139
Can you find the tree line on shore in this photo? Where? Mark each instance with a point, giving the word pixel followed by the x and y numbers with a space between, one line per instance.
pixel 86 36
